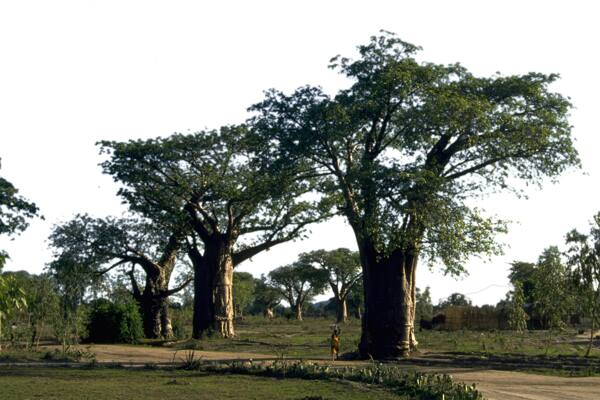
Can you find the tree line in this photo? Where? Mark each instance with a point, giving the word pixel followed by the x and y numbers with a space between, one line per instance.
pixel 400 153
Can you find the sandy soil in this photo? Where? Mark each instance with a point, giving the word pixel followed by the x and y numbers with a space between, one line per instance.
pixel 495 385
pixel 507 385
pixel 141 354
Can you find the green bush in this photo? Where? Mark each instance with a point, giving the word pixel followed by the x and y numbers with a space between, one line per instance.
pixel 414 385
pixel 114 322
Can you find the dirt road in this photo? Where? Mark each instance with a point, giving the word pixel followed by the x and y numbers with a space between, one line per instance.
pixel 495 385
pixel 508 385
pixel 140 354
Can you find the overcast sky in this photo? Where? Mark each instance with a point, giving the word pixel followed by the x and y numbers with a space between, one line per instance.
pixel 75 72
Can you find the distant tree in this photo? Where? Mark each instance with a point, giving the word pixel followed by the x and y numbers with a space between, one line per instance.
pixel 584 260
pixel 72 280
pixel 402 149
pixel 552 291
pixel 14 212
pixel 298 283
pixel 517 317
pixel 12 299
pixel 343 269
pixel 103 244
pixel 424 307
pixel 523 272
pixel 237 204
pixel 42 301
pixel 243 292
pixel 266 297
pixel 455 299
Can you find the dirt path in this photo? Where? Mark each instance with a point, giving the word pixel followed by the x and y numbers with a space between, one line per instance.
pixel 508 385
pixel 495 385
pixel 142 354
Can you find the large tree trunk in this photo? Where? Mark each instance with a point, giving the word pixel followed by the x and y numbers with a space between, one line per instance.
pixel 166 329
pixel 342 310
pixel 387 320
pixel 223 296
pixel 203 299
pixel 412 338
pixel 151 308
pixel 213 289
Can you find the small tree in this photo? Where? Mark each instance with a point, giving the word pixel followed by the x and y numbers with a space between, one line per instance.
pixel 266 297
pixel 552 294
pixel 12 299
pixel 424 307
pixel 298 283
pixel 42 302
pixel 517 317
pixel 343 270
pixel 584 259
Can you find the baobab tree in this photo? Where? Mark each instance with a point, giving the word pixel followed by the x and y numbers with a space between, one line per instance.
pixel 236 204
pixel 402 149
pixel 343 273
pixel 298 283
pixel 102 244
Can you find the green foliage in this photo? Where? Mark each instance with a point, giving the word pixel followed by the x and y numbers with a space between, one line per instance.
pixel 584 260
pixel 408 143
pixel 517 317
pixel 523 273
pixel 424 307
pixel 265 296
pixel 214 180
pixel 298 283
pixel 14 213
pixel 114 323
pixel 243 291
pixel 12 299
pixel 414 384
pixel 342 266
pixel 42 308
pixel 552 292
pixel 455 299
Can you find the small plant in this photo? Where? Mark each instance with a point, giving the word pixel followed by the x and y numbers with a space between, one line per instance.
pixel 413 384
pixel 190 362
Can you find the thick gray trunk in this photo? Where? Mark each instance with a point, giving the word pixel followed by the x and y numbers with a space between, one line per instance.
pixel 166 329
pixel 223 297
pixel 387 323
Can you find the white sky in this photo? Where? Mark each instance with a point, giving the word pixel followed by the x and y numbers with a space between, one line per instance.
pixel 75 72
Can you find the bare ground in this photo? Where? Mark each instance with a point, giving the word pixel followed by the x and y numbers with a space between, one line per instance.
pixel 494 384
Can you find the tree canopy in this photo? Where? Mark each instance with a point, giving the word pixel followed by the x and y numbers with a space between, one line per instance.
pixel 213 178
pixel 409 142
pixel 298 283
pixel 343 269
pixel 15 211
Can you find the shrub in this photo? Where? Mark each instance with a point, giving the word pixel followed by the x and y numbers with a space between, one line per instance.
pixel 114 322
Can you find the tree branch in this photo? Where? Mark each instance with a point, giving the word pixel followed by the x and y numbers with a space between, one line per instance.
pixel 169 292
